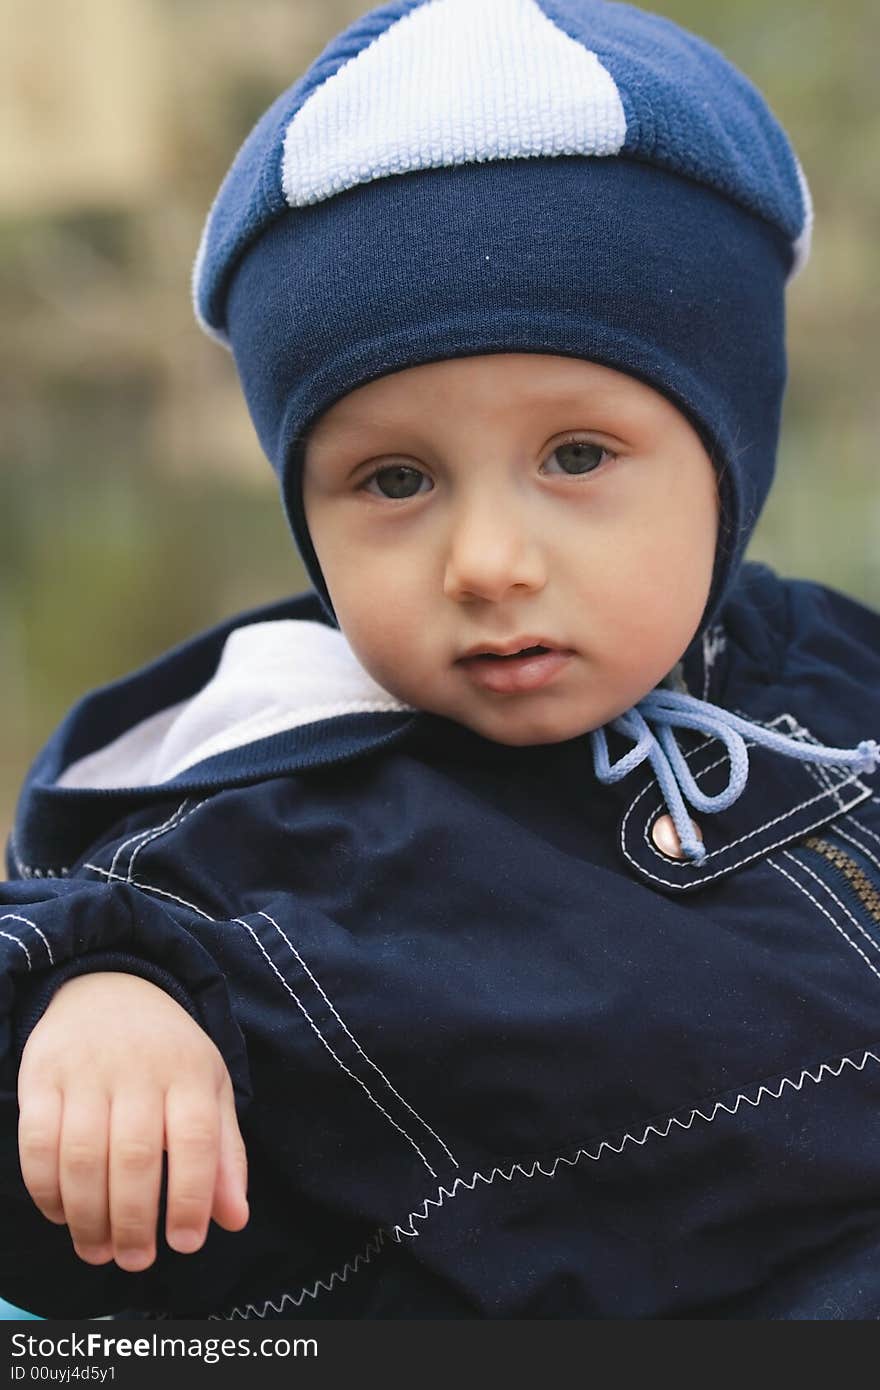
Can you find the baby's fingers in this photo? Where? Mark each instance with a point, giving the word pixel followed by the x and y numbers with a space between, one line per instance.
pixel 137 1124
pixel 39 1135
pixel 230 1209
pixel 192 1138
pixel 85 1126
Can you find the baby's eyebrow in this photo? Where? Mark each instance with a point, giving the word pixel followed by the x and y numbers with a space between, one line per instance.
pixel 562 401
pixel 562 398
pixel 352 430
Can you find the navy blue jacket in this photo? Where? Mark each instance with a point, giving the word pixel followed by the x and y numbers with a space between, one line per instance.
pixel 495 1054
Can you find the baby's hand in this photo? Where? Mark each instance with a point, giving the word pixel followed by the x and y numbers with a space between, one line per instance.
pixel 114 1072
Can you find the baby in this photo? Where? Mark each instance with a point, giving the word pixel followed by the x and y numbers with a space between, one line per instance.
pixel 471 935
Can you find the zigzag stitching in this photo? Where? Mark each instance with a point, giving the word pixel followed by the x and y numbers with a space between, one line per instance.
pixel 374 1245
pixel 443 1193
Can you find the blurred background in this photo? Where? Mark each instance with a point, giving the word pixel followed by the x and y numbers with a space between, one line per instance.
pixel 137 507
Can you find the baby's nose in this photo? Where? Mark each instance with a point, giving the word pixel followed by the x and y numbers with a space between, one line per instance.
pixel 491 553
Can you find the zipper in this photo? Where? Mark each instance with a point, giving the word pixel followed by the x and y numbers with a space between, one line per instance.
pixel 852 880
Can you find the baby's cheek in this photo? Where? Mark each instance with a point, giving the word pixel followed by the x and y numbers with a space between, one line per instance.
pixel 641 647
pixel 387 652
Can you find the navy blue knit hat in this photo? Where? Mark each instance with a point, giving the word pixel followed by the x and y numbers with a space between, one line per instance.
pixel 453 177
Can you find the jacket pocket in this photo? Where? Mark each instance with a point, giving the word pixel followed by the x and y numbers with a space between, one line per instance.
pixel 784 800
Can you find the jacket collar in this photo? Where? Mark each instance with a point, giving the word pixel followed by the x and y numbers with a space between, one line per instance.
pixel 782 801
pixel 55 823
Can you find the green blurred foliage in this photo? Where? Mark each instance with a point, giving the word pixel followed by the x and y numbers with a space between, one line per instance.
pixel 136 505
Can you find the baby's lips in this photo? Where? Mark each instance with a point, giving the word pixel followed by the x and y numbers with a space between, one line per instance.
pixel 514 674
pixel 513 646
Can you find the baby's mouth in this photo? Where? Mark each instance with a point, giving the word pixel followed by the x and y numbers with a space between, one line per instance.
pixel 516 672
pixel 497 656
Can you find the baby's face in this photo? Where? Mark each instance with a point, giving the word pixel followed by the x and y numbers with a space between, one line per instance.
pixel 468 508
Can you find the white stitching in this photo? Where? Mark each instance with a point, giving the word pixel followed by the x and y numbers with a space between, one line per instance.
pixel 830 775
pixel 836 925
pixel 764 850
pixel 367 1059
pixel 708 768
pixel 653 817
pixel 838 830
pixel 707 878
pixel 868 831
pixel 444 1194
pixel 845 835
pixel 795 728
pixel 783 816
pixel 798 731
pixel 373 1247
pixel 459 1183
pixel 27 870
pixel 13 917
pixel 834 790
pixel 820 774
pixel 141 834
pixel 663 1133
pixel 338 1060
pixel 149 888
pixel 867 935
pixel 160 831
pixel 45 942
pixel 10 937
pixel 824 774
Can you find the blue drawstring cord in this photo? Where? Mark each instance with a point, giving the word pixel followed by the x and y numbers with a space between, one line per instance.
pixel 669 708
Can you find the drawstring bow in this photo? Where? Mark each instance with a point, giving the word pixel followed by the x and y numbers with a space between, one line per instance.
pixel 668 709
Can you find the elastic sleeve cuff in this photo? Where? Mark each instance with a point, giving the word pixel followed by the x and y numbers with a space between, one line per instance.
pixel 33 1002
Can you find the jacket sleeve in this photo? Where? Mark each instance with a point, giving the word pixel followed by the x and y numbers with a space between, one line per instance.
pixel 50 931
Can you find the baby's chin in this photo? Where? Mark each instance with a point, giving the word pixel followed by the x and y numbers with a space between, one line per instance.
pixel 519 721
pixel 523 728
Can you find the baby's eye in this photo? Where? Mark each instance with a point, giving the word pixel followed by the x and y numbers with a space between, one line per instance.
pixel 579 456
pixel 397 481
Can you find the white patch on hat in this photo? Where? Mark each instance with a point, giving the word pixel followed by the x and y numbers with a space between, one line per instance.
pixel 452 82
